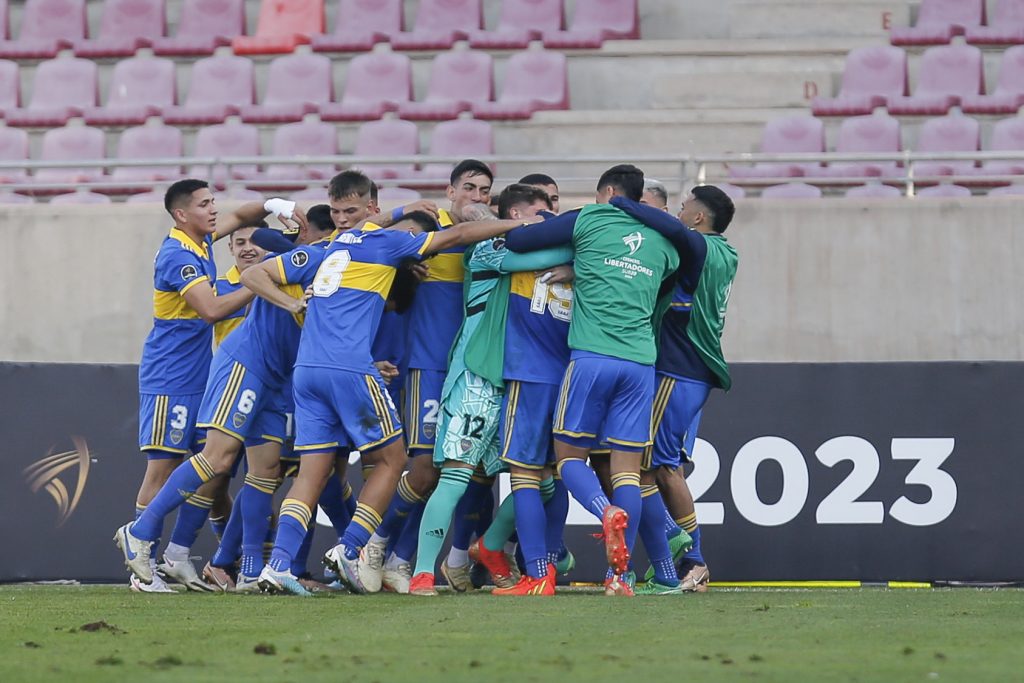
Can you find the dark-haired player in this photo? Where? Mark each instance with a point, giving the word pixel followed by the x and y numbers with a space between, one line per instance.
pixel 546 183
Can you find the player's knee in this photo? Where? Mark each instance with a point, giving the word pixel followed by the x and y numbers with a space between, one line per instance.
pixel 667 476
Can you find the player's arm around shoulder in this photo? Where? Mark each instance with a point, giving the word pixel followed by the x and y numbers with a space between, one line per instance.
pixel 253 213
pixel 212 308
pixel 264 279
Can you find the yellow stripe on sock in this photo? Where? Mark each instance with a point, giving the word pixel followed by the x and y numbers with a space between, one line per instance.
pixel 625 479
pixel 202 467
pixel 688 523
pixel 561 464
pixel 198 501
pixel 264 484
pixel 407 493
pixel 524 482
pixel 366 517
pixel 297 510
pixel 346 491
pixel 648 490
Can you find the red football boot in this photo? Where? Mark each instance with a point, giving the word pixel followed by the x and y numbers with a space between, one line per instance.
pixel 496 563
pixel 422 584
pixel 528 585
pixel 614 524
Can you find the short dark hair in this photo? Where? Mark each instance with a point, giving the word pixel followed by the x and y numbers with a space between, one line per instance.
pixel 374 193
pixel 349 184
pixel 537 179
pixel 626 179
pixel 470 167
pixel 518 193
pixel 718 204
pixel 423 219
pixel 180 190
pixel 319 217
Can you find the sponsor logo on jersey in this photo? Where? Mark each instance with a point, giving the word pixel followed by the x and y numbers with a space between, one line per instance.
pixel 349 238
pixel 189 273
pixel 299 259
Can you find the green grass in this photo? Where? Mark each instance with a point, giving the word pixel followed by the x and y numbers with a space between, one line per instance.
pixel 791 635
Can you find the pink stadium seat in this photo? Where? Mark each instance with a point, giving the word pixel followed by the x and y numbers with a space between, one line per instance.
pixel 283 25
pixel 375 83
pixel 947 74
pixel 871 76
pixel 296 85
pixel 227 140
pixel 220 85
pixel 140 87
pixel 397 196
pixel 458 78
pixel 81 197
pixel 10 86
pixel 388 138
pixel 939 20
pixel 126 26
pixel 14 198
pixel 521 21
pixel 13 147
pixel 47 26
pixel 459 139
pixel 309 138
pixel 152 197
pixel 596 21
pixel 74 143
pixel 1007 136
pixel 1009 94
pixel 873 133
pixel 61 88
pixel 439 23
pixel 316 195
pixel 534 80
pixel 360 25
pixel 1007 191
pixel 947 134
pixel 943 191
pixel 205 25
pixel 873 191
pixel 1005 26
pixel 149 142
pixel 4 23
pixel 734 191
pixel 791 191
pixel 242 194
pixel 790 135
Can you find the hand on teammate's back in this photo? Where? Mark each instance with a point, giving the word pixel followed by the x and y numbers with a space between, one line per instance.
pixel 388 370
pixel 422 205
pixel 558 275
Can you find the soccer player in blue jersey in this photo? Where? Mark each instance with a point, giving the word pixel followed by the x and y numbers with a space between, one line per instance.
pixel 245 253
pixel 176 355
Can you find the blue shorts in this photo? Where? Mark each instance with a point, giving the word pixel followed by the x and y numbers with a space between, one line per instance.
pixel 238 403
pixel 676 416
pixel 607 396
pixel 526 415
pixel 167 425
pixel 422 405
pixel 335 408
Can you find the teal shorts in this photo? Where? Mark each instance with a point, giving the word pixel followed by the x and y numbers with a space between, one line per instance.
pixel 467 430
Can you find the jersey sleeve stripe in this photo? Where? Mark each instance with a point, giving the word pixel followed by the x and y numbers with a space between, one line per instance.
pixel 201 278
pixel 426 243
pixel 280 270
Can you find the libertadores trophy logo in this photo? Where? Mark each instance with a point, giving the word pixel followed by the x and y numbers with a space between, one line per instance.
pixel 45 474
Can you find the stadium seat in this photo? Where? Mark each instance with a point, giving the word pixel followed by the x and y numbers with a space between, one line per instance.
pixel 73 143
pixel 734 191
pixel 1005 191
pixel 947 134
pixel 308 138
pixel 242 194
pixel 126 26
pixel 148 142
pixel 204 26
pixel 61 88
pixel 47 26
pixel 296 85
pixel 13 198
pixel 13 147
pixel 791 191
pixel 870 77
pixel 140 87
pixel 458 79
pixel 873 191
pixel 220 85
pixel 596 21
pixel 943 191
pixel 459 139
pixel 521 21
pixel 227 140
pixel 1005 26
pixel 1009 93
pixel 938 21
pixel 946 74
pixel 873 133
pixel 360 25
pixel 1007 136
pixel 10 86
pixel 311 194
pixel 388 138
pixel 439 23
pixel 375 83
pixel 283 25
pixel 397 196
pixel 152 197
pixel 534 80
pixel 4 23
pixel 80 197
pixel 790 135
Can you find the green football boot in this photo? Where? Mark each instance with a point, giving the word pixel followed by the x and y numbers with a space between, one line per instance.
pixel 679 545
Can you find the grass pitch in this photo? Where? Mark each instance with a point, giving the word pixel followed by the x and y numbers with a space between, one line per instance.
pixel 84 634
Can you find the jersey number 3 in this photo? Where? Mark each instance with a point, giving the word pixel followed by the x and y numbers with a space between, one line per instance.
pixel 328 277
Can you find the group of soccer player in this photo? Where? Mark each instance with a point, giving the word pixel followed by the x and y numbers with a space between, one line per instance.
pixel 573 350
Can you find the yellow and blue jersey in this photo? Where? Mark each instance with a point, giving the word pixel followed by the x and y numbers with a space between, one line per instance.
pixel 228 283
pixel 537 331
pixel 436 312
pixel 176 355
pixel 267 341
pixel 348 296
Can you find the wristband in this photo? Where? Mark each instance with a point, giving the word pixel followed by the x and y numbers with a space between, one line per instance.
pixel 397 213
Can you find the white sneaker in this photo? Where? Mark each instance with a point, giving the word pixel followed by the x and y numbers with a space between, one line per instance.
pixel 184 572
pixel 280 582
pixel 158 585
pixel 396 579
pixel 371 566
pixel 136 553
pixel 347 570
pixel 247 584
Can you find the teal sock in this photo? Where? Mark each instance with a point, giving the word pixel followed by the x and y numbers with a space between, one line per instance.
pixel 502 526
pixel 437 516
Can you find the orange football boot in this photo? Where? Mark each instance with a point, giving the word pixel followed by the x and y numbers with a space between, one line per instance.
pixel 495 561
pixel 614 523
pixel 422 584
pixel 528 585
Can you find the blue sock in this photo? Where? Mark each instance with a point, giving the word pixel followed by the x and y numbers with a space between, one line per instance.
pixel 364 522
pixel 695 554
pixel 302 555
pixel 486 515
pixel 218 525
pixel 626 494
pixel 349 498
pixel 467 513
pixel 652 530
pixel 184 480
pixel 583 484
pixel 332 500
pixel 671 528
pixel 402 503
pixel 531 524
pixel 230 546
pixel 192 517
pixel 405 545
pixel 291 530
pixel 258 494
pixel 556 509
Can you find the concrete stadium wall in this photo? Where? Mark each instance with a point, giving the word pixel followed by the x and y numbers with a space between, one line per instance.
pixel 828 280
